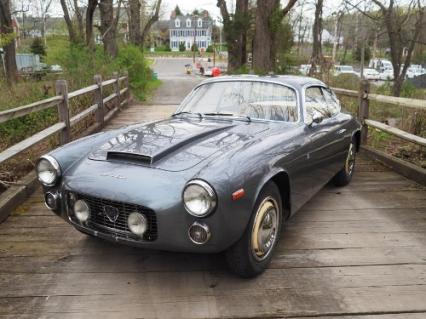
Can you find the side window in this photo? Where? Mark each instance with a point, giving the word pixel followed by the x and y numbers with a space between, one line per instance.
pixel 332 101
pixel 315 102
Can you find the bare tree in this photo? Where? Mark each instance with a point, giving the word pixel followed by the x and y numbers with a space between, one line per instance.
pixel 44 8
pixel 269 16
pixel 74 38
pixel 396 19
pixel 235 28
pixel 6 30
pixel 91 7
pixel 134 12
pixel 316 56
pixel 152 19
pixel 109 25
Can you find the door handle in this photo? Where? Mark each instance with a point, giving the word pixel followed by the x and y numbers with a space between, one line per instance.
pixel 343 130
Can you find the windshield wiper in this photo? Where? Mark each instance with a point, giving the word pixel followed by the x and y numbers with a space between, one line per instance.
pixel 186 112
pixel 229 114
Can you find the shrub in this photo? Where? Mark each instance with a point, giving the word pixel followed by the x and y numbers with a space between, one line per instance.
pixel 182 46
pixel 209 48
pixel 358 51
pixel 37 47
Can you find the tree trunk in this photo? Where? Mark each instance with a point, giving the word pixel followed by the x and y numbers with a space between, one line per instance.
pixel 135 22
pixel 316 56
pixel 80 24
pixel 151 21
pixel 6 27
pixel 263 39
pixel 235 29
pixel 269 17
pixel 71 32
pixel 108 27
pixel 91 7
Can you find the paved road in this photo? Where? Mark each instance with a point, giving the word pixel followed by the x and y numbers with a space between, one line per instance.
pixel 353 252
pixel 176 84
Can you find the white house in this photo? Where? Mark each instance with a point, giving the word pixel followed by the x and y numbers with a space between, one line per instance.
pixel 189 28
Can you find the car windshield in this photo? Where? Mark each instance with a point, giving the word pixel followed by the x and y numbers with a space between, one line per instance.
pixel 250 99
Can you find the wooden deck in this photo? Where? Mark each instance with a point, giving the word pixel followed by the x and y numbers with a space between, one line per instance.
pixel 353 252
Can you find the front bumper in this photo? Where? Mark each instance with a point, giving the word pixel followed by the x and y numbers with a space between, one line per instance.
pixel 173 222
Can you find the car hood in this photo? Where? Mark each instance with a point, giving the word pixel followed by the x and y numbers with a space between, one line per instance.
pixel 177 144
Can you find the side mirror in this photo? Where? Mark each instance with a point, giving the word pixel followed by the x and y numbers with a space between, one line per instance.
pixel 316 118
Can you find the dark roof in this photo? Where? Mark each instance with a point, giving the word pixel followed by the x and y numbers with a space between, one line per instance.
pixel 207 21
pixel 292 80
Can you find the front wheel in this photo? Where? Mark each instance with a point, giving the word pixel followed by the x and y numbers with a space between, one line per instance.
pixel 344 176
pixel 251 255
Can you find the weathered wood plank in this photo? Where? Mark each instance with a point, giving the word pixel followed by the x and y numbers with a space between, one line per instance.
pixel 345 92
pixel 82 115
pixel 399 101
pixel 25 144
pixel 397 132
pixel 82 91
pixel 30 108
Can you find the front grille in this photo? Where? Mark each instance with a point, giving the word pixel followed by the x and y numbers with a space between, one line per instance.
pixel 100 222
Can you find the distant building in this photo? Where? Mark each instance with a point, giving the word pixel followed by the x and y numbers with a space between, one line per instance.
pixel 189 28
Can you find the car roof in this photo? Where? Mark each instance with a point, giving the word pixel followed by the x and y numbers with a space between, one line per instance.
pixel 295 81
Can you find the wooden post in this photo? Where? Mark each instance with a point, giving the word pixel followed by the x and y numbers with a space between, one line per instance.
pixel 61 87
pixel 98 99
pixel 364 109
pixel 126 84
pixel 117 90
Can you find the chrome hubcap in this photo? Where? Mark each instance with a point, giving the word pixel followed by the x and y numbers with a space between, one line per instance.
pixel 265 228
pixel 350 160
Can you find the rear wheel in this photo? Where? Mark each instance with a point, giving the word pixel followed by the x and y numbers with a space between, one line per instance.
pixel 252 254
pixel 344 176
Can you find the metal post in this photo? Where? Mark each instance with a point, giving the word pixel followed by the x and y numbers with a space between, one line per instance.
pixel 117 89
pixel 61 87
pixel 98 99
pixel 364 110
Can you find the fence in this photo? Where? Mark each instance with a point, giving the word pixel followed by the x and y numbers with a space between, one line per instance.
pixel 364 96
pixel 65 123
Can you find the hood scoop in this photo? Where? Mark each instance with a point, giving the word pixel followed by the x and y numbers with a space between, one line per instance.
pixel 129 157
pixel 150 143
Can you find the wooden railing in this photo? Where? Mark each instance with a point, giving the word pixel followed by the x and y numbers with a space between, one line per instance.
pixel 120 97
pixel 364 97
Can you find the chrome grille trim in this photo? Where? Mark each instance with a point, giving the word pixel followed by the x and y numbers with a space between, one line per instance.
pixel 98 221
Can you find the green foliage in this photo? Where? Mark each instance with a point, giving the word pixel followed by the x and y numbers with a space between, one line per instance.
pixel 131 58
pixel 177 11
pixel 37 47
pixel 182 46
pixel 284 40
pixel 6 38
pixel 209 48
pixel 194 47
pixel 358 51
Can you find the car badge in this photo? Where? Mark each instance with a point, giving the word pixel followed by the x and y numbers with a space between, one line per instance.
pixel 111 213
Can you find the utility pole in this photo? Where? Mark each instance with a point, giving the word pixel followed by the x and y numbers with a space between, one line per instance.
pixel 195 38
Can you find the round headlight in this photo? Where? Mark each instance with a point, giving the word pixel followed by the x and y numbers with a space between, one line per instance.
pixel 48 170
pixel 199 198
pixel 81 210
pixel 138 224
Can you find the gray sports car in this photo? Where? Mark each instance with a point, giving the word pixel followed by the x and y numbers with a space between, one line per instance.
pixel 237 159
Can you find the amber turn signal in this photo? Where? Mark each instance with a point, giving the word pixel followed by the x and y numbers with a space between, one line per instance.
pixel 238 194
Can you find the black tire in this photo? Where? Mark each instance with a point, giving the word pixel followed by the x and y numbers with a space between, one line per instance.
pixel 240 257
pixel 344 176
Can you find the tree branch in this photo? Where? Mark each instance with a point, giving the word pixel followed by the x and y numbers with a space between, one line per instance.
pixel 288 7
pixel 151 20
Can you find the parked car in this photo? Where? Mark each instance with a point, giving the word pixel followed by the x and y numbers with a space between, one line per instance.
pixel 239 157
pixel 344 69
pixel 305 68
pixel 371 74
pixel 386 75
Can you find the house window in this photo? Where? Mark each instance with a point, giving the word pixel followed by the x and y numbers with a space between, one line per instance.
pixel 200 23
pixel 188 23
pixel 177 23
